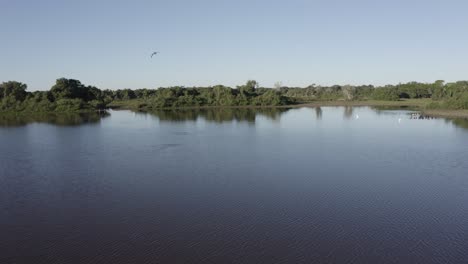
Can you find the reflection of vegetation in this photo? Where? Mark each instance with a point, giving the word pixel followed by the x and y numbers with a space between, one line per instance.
pixel 379 110
pixel 348 112
pixel 64 119
pixel 388 107
pixel 460 122
pixel 218 115
pixel 318 113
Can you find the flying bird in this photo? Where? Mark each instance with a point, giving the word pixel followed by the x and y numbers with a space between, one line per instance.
pixel 154 53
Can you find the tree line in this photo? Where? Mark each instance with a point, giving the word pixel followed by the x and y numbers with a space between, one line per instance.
pixel 69 95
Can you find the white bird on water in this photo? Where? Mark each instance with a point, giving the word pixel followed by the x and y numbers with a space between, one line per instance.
pixel 357 116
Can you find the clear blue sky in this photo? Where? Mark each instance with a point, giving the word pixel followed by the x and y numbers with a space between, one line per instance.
pixel 207 42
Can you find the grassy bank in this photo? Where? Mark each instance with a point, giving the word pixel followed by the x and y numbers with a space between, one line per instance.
pixel 446 113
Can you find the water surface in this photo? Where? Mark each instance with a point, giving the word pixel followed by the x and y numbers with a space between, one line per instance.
pixel 308 185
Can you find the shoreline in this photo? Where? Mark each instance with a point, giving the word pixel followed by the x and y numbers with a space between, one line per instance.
pixel 132 105
pixel 411 104
pixel 414 104
pixel 446 113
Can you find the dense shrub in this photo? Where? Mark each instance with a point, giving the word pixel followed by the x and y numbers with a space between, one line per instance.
pixel 67 95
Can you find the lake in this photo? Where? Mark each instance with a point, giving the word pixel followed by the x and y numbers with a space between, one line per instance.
pixel 305 185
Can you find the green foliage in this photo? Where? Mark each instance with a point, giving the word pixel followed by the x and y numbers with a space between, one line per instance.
pixel 214 96
pixel 223 96
pixel 409 90
pixel 450 96
pixel 12 94
pixel 386 94
pixel 249 87
pixel 67 95
pixel 14 90
pixel 415 90
pixel 73 89
pixel 270 97
pixel 38 102
pixel 314 93
pixel 125 94
pixel 68 105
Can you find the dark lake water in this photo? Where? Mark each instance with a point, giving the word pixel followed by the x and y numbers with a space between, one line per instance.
pixel 308 185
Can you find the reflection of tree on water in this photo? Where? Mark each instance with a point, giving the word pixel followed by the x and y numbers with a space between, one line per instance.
pixel 62 119
pixel 379 110
pixel 318 112
pixel 218 115
pixel 348 112
pixel 458 122
pixel 463 123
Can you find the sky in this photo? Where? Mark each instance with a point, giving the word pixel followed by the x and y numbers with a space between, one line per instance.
pixel 108 43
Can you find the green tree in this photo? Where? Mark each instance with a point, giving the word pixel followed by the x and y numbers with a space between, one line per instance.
pixel 249 87
pixel 13 89
pixel 67 88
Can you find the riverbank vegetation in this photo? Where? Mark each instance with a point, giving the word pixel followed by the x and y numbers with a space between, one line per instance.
pixel 68 95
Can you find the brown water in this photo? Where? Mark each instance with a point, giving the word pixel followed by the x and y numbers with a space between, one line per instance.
pixel 309 185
